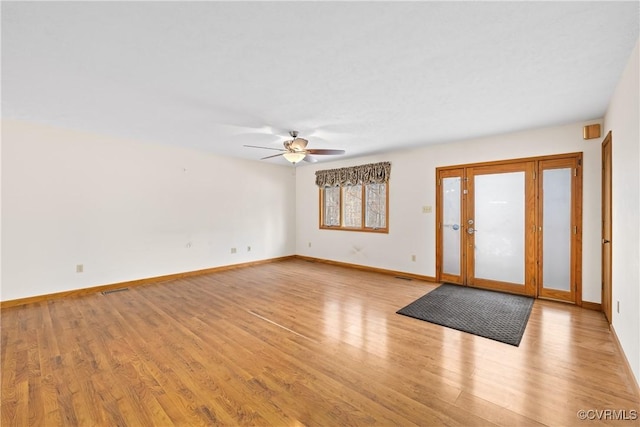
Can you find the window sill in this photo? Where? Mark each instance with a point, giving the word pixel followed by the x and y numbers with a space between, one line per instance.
pixel 365 230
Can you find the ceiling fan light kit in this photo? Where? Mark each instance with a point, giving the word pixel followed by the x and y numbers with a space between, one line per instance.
pixel 294 156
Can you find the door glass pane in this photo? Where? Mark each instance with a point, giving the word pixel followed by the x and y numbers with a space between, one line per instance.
pixel 451 226
pixel 556 231
pixel 499 219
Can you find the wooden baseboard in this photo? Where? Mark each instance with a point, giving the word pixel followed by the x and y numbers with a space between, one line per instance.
pixel 401 274
pixel 633 381
pixel 149 280
pixel 132 283
pixel 592 305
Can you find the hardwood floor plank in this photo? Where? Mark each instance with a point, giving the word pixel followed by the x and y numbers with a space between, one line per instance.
pixel 9 386
pixel 296 343
pixel 181 373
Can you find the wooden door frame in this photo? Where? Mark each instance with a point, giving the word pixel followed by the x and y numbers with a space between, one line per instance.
pixel 527 167
pixel 607 287
pixel 575 293
pixel 577 256
pixel 441 174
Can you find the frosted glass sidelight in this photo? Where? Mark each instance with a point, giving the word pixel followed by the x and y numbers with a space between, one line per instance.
pixel 500 228
pixel 451 226
pixel 556 229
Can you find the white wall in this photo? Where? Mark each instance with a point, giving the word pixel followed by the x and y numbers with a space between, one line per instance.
pixel 129 210
pixel 623 120
pixel 412 186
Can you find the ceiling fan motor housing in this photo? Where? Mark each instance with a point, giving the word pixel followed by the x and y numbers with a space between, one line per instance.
pixel 297 144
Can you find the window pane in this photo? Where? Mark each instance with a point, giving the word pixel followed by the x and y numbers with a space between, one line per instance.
pixel 352 206
pixel 376 202
pixel 331 206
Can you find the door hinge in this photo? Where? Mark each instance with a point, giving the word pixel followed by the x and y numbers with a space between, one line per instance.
pixel 575 229
pixel 575 171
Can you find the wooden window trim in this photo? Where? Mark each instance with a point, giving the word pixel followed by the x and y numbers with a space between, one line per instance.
pixel 362 228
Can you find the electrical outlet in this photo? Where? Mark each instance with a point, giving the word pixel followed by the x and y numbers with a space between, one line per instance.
pixel 79 268
pixel 248 248
pixel 233 250
pixel 426 209
pixel 309 244
pixel 618 307
pixel 413 258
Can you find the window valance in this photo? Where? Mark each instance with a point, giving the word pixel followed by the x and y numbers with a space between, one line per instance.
pixel 373 173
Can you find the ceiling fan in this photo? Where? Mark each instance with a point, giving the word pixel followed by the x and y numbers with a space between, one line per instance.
pixel 296 150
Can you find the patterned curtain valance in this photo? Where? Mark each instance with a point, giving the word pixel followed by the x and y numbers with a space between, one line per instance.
pixel 373 173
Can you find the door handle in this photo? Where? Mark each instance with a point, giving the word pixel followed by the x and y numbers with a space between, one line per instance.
pixel 605 241
pixel 471 230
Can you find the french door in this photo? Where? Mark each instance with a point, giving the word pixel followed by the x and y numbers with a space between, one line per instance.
pixel 512 226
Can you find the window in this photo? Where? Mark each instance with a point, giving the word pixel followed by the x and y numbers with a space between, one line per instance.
pixel 356 198
pixel 331 206
pixel 376 203
pixel 352 206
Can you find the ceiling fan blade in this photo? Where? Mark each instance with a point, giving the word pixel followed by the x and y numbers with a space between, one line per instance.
pixel 310 159
pixel 268 157
pixel 264 148
pixel 323 151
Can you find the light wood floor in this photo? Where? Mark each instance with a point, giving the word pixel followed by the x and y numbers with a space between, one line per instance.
pixel 296 343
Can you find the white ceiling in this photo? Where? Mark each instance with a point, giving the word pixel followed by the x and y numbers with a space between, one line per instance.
pixel 366 77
